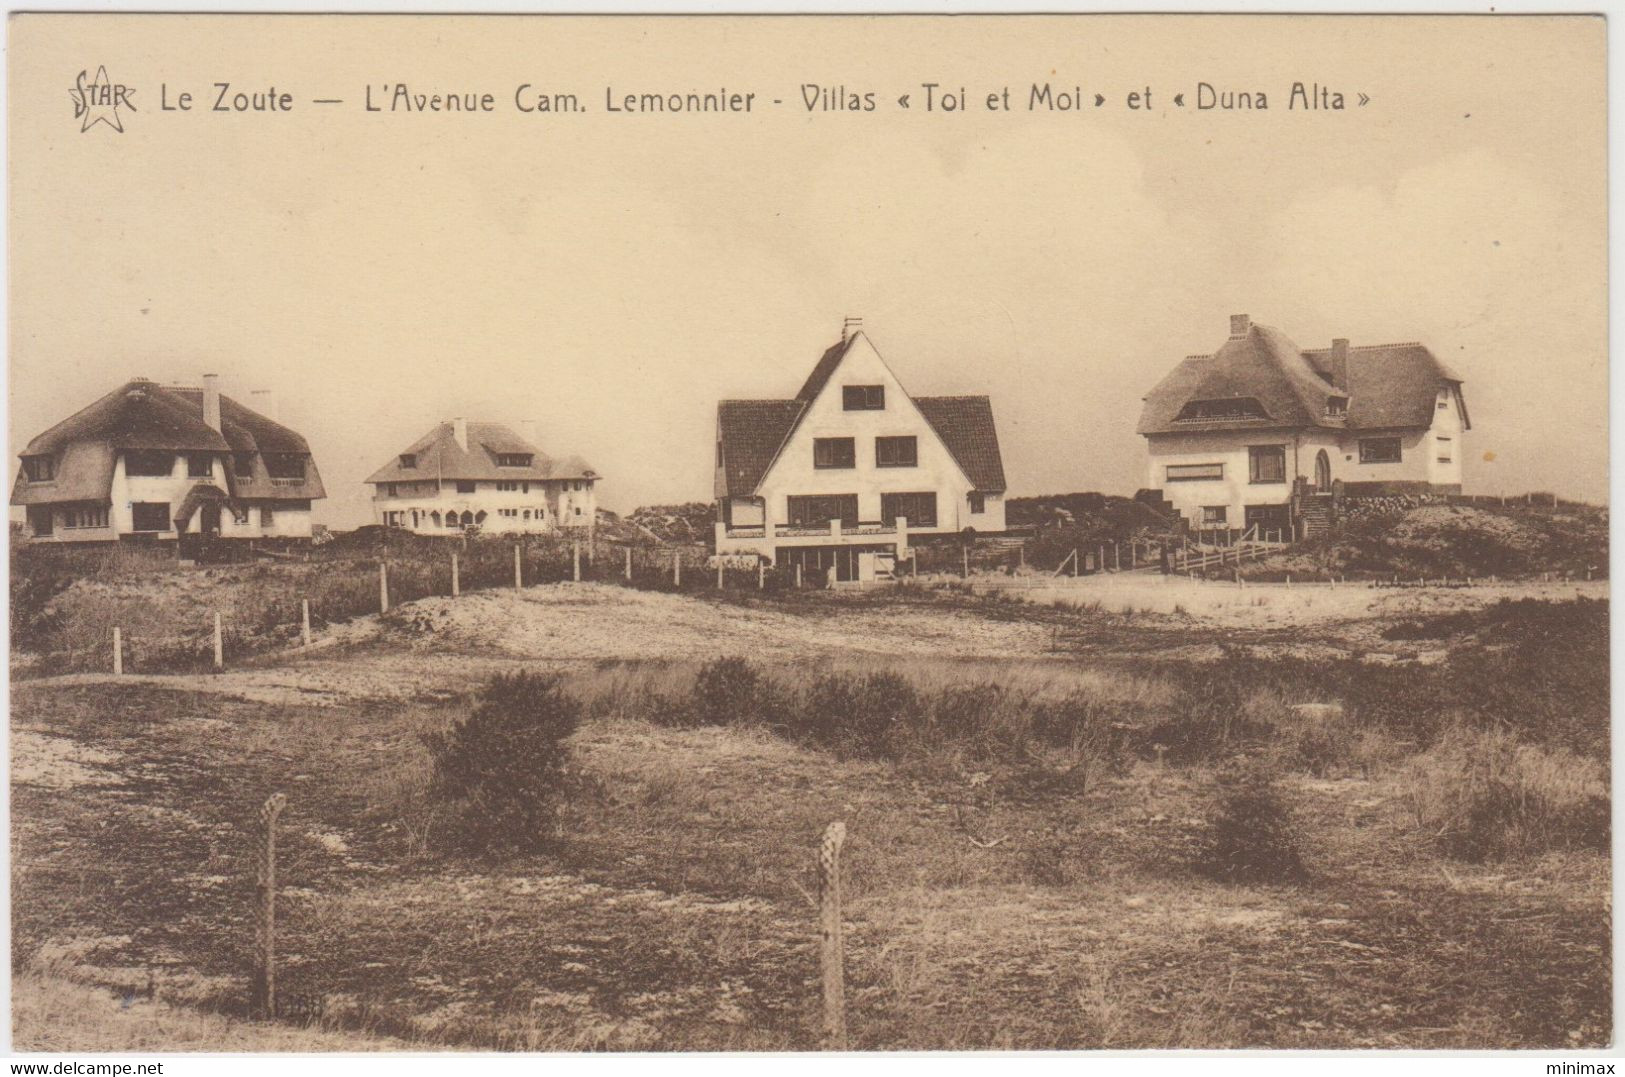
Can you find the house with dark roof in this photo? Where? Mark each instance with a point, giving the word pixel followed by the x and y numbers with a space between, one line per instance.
pixel 167 463
pixel 1262 432
pixel 463 475
pixel 840 477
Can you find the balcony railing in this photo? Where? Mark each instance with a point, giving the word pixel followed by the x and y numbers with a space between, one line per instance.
pixel 833 528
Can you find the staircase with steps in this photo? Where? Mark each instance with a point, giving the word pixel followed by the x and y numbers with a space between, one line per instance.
pixel 1317 515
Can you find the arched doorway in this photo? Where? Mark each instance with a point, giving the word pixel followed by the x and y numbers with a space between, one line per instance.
pixel 1323 472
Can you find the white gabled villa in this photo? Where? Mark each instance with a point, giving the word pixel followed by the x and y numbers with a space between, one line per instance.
pixel 841 476
pixel 464 475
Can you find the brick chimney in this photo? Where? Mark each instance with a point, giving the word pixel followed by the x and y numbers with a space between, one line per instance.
pixel 1338 362
pixel 1239 325
pixel 211 401
pixel 459 430
pixel 850 326
pixel 265 403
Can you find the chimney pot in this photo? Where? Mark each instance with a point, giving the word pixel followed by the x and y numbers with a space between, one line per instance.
pixel 211 401
pixel 265 403
pixel 850 326
pixel 1239 325
pixel 459 431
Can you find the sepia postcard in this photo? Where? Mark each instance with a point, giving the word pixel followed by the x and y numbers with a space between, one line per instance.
pixel 790 533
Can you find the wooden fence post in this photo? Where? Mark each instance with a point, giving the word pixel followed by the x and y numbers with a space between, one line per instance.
pixel 383 587
pixel 1074 562
pixel 798 574
pixel 965 553
pixel 118 652
pixel 575 562
pixel 629 563
pixel 518 572
pixel 831 947
pixel 1100 563
pixel 676 569
pixel 719 573
pixel 219 645
pixel 304 620
pixel 456 582
pixel 761 574
pixel 262 999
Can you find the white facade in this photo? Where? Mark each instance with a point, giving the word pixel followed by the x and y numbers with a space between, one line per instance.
pixel 1428 458
pixel 767 523
pixel 162 495
pixel 517 506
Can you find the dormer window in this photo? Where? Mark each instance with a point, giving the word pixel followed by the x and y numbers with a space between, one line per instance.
pixel 409 461
pixel 1228 408
pixel 285 465
pixel 40 468
pixel 242 465
pixel 863 397
pixel 1337 407
pixel 513 459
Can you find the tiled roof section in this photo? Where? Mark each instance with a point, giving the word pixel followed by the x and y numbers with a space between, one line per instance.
pixel 751 432
pixel 145 415
pixel 1394 385
pixel 965 424
pixel 439 456
pixel 1388 386
pixel 823 370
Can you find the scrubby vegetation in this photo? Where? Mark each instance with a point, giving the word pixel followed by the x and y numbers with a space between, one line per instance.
pixel 1253 837
pixel 1455 542
pixel 1260 849
pixel 1530 675
pixel 504 769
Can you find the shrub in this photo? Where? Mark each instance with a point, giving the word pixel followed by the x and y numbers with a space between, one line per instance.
pixel 1253 835
pixel 1082 727
pixel 1483 795
pixel 727 691
pixel 857 716
pixel 504 767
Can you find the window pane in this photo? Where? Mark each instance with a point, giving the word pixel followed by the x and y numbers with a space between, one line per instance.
pixel 896 452
pixel 1195 472
pixel 1380 451
pixel 863 397
pixel 834 452
pixel 1267 463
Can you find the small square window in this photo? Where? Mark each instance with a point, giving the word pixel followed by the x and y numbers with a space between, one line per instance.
pixel 829 453
pixel 1266 463
pixel 863 397
pixel 199 467
pixel 978 503
pixel 897 452
pixel 1215 515
pixel 409 460
pixel 465 486
pixel 267 516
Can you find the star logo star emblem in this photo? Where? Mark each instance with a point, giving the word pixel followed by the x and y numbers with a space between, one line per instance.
pixel 98 100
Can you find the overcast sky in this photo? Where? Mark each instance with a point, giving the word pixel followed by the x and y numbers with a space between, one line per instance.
pixel 613 276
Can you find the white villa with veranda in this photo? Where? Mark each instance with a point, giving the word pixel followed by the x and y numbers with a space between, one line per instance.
pixel 167 463
pixel 1264 433
pixel 841 476
pixel 464 475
